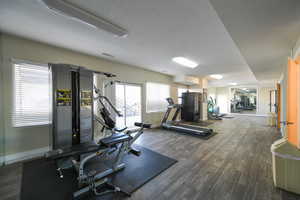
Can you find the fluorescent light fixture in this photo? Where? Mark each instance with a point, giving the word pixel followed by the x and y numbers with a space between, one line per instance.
pixel 232 83
pixel 185 62
pixel 107 55
pixel 216 76
pixel 69 10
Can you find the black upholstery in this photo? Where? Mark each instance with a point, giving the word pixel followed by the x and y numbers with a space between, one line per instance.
pixel 142 125
pixel 115 139
pixel 75 150
pixel 89 147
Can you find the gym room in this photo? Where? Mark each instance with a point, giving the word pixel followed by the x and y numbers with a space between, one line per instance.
pixel 148 100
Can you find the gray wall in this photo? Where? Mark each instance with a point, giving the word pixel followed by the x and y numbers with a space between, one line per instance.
pixel 29 138
pixel 1 106
pixel 283 85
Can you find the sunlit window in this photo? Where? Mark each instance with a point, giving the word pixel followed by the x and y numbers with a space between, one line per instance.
pixel 156 97
pixel 32 95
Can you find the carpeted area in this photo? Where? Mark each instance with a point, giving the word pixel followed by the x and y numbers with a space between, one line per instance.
pixel 40 179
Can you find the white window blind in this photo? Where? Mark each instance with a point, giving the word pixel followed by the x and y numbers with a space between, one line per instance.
pixel 32 95
pixel 156 97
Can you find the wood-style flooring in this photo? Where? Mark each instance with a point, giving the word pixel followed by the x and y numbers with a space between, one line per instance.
pixel 235 165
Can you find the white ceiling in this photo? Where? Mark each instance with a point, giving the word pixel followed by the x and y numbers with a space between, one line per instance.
pixel 264 30
pixel 158 31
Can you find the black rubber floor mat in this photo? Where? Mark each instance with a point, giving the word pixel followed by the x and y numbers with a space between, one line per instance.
pixel 40 179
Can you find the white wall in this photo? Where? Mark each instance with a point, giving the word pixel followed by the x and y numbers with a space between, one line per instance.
pixel 263 107
pixel 222 96
pixel 212 92
pixel 223 99
pixel 29 138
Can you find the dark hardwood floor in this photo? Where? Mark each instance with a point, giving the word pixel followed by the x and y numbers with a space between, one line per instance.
pixel 234 164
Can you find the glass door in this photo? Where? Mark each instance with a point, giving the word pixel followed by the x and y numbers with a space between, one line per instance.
pixel 128 101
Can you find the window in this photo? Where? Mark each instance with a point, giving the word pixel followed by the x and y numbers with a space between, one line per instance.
pixel 156 97
pixel 179 94
pixel 32 95
pixel 128 101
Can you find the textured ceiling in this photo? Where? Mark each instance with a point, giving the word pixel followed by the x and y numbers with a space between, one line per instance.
pixel 245 41
pixel 158 31
pixel 265 31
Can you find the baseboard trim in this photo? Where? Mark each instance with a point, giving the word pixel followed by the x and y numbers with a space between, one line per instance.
pixel 26 155
pixel 250 115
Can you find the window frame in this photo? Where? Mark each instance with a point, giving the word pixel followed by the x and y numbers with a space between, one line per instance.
pixel 14 62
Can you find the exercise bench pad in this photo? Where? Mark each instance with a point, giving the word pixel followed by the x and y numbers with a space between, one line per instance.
pixel 116 138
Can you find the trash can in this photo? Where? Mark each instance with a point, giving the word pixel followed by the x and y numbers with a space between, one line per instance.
pixel 286 165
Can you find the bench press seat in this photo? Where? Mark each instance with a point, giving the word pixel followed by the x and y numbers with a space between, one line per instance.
pixel 88 147
pixel 114 139
pixel 75 150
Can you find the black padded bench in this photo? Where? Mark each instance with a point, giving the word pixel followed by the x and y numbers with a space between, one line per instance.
pixel 116 138
pixel 89 147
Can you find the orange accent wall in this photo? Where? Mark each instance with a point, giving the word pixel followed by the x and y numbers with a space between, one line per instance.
pixel 292 102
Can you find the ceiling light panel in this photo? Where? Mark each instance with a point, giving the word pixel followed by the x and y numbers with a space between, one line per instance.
pixel 216 76
pixel 185 62
pixel 72 11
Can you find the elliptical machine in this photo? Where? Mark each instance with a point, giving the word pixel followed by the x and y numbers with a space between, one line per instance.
pixel 213 111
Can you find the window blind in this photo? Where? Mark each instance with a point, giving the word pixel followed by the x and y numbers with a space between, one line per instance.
pixel 32 95
pixel 157 94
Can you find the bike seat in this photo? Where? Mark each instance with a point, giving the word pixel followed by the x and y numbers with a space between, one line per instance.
pixel 115 139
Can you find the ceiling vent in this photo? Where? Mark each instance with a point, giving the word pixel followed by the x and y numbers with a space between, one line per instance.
pixel 186 80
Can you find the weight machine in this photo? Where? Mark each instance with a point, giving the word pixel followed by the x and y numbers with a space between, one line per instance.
pixel 73 126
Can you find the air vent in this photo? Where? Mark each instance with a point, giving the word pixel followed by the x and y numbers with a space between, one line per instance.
pixel 186 80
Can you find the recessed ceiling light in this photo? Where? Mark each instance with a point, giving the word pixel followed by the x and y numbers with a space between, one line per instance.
pixel 232 83
pixel 216 76
pixel 185 62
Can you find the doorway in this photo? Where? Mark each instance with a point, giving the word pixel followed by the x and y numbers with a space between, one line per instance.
pixel 243 100
pixel 129 102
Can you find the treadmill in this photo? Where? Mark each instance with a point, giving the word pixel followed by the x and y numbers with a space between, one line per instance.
pixel 179 126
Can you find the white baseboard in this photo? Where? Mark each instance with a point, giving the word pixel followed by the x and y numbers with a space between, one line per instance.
pixel 21 156
pixel 250 115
